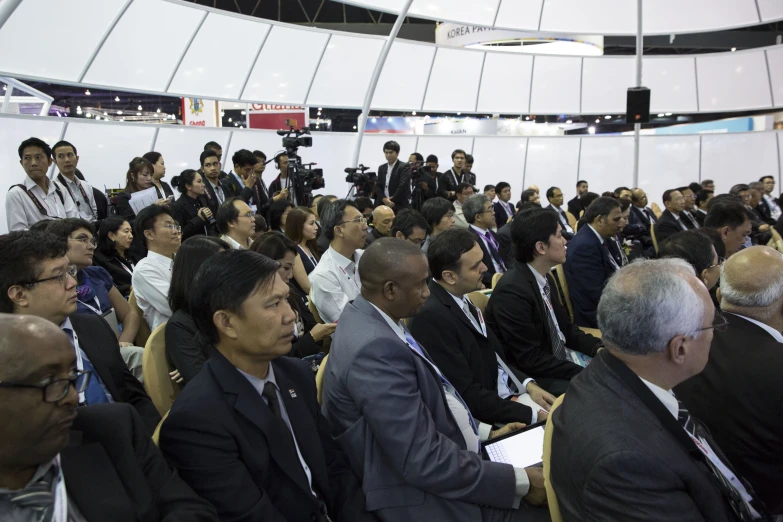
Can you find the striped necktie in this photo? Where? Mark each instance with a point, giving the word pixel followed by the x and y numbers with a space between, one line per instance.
pixel 37 497
pixel 558 348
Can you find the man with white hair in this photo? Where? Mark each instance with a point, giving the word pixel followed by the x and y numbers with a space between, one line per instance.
pixel 623 446
pixel 738 395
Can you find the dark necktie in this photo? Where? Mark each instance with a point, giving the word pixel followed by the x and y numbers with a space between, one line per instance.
pixel 494 249
pixel 558 348
pixel 94 394
pixel 692 220
pixel 695 428
pixel 37 497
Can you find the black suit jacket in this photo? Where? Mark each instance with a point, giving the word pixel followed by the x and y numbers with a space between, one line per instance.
pixel 186 349
pixel 446 182
pixel 501 216
pixel 101 204
pixel 122 279
pixel 667 226
pixel 487 257
pixel 613 459
pixel 185 212
pixel 100 345
pixel 739 397
pixel 113 471
pixel 575 207
pixel 699 216
pixel 372 235
pixel 587 268
pixel 277 186
pixel 323 241
pixel 506 247
pixel 123 208
pixel 639 222
pixel 211 197
pixel 466 358
pixel 517 314
pixel 222 437
pixel 688 223
pixel 234 189
pixel 765 212
pixel 399 185
pixel 166 190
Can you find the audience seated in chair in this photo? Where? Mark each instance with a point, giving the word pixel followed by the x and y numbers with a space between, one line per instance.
pixel 247 433
pixel 236 223
pixel 463 191
pixel 479 214
pixel 98 462
pixel 323 202
pixel 738 395
pixel 623 446
pixel 335 281
pixel 670 221
pixel 696 248
pixel 439 213
pixel 410 226
pixel 385 399
pixel 727 215
pixel 186 349
pixel 37 279
pixel 302 229
pixel 555 197
pixel 382 219
pixel 524 311
pixel 152 276
pixel 502 208
pixel 191 211
pixel 453 331
pixel 115 237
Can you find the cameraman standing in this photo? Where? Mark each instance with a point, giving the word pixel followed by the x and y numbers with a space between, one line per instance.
pixel 422 181
pixel 393 187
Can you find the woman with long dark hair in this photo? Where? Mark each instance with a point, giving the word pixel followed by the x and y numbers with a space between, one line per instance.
pixel 115 237
pixel 191 210
pixel 138 178
pixel 159 172
pixel 302 229
pixel 278 214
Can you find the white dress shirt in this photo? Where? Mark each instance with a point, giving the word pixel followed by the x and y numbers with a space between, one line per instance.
pixel 774 209
pixel 78 189
pixel 234 244
pixel 21 213
pixel 151 281
pixel 771 331
pixel 499 269
pixel 335 282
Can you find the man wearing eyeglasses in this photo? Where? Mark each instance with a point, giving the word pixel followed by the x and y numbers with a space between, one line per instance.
pixel 335 281
pixel 37 279
pixel 411 226
pixel 152 275
pixel 58 463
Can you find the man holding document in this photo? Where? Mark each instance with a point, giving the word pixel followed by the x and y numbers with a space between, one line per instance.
pixel 407 431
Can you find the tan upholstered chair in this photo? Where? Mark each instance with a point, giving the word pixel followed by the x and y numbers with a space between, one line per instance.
pixel 161 389
pixel 554 508
pixel 143 332
pixel 496 278
pixel 319 379
pixel 563 284
pixel 156 434
pixel 480 299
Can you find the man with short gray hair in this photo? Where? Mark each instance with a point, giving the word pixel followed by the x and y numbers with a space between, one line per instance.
pixel 623 446
pixel 738 395
pixel 480 216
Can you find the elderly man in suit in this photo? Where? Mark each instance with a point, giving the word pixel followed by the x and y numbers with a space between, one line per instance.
pixel 589 261
pixel 393 187
pixel 461 344
pixel 247 433
pixel 670 221
pixel 59 462
pixel 406 429
pixel 738 395
pixel 478 213
pixel 623 446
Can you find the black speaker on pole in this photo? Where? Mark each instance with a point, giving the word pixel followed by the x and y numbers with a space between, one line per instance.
pixel 637 107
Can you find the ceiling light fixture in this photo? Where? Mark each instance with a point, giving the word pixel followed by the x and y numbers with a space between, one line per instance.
pixel 87 92
pixel 138 108
pixel 660 115
pixel 158 111
pixel 591 130
pixel 608 117
pixel 668 114
pixel 414 113
pixel 733 49
pixel 598 120
pixel 569 122
pixel 119 112
pixel 116 98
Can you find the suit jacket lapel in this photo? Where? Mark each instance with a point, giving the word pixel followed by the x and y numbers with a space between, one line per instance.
pixel 448 301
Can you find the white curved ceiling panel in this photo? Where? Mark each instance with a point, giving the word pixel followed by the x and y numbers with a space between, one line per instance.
pixel 570 16
pixel 404 77
pixel 676 16
pixel 520 15
pixel 275 78
pixel 505 83
pixel 137 57
pixel 454 80
pixel 68 40
pixel 556 85
pixel 218 58
pixel 607 161
pixel 770 9
pixel 775 61
pixel 732 81
pixel 479 13
pixel 605 83
pixel 345 70
pixel 672 84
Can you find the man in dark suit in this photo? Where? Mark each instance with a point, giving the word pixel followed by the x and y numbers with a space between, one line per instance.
pixel 37 280
pixel 575 206
pixel 262 198
pixel 384 398
pixel 589 261
pixel 210 169
pixel 728 215
pixel 689 203
pixel 641 219
pixel 423 187
pixel 703 198
pixel 503 208
pixel 467 352
pixel 58 462
pixel 623 446
pixel 525 312
pixel 450 180
pixel 738 395
pixel 481 220
pixel 555 197
pixel 670 221
pixel 393 187
pixel 759 207
pixel 247 433
pixel 240 182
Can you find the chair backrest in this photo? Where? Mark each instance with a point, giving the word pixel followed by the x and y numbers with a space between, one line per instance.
pixel 571 220
pixel 563 294
pixel 319 378
pixel 496 278
pixel 313 309
pixel 777 241
pixel 155 369
pixel 554 507
pixel 156 434
pixel 143 332
pixel 654 240
pixel 480 300
pixel 656 210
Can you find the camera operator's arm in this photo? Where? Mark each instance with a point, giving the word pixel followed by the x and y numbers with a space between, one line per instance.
pixel 444 186
pixel 403 193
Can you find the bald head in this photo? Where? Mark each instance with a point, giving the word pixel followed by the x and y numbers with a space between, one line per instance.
pixel 386 259
pixel 382 219
pixel 22 338
pixel 534 188
pixel 752 279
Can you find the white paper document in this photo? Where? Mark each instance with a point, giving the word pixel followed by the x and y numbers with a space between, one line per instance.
pixel 143 199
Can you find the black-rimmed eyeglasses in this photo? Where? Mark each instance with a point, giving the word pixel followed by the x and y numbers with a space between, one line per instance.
pixel 56 390
pixel 62 278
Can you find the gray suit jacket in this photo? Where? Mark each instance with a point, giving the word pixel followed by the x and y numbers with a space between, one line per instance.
pixel 388 411
pixel 612 459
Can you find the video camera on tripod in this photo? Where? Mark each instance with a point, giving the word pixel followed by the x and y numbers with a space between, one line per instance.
pixel 304 178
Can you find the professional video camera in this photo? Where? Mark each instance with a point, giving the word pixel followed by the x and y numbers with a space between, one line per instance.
pixel 362 182
pixel 304 178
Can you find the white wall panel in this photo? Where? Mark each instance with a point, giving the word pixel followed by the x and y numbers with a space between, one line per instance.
pixel 770 9
pixel 454 81
pixel 12 133
pixel 219 58
pixel 135 56
pixel 69 39
pixel 520 15
pixel 442 147
pixel 500 159
pixel 570 15
pixel 479 13
pixel 607 162
pixel 277 80
pixel 779 182
pixel 105 150
pixel 505 83
pixel 666 162
pixel 672 84
pixel 697 15
pixel 733 81
pixel 333 152
pixel 552 162
pixel 775 59
pixel 181 147
pixel 371 154
pixel 605 83
pixel 403 78
pixel 344 75
pixel 738 158
pixel 556 85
